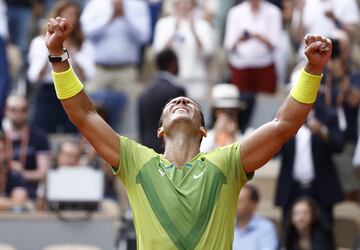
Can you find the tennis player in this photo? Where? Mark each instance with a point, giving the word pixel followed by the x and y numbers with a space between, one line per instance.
pixel 184 199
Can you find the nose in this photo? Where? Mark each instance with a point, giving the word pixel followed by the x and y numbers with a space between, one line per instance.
pixel 181 100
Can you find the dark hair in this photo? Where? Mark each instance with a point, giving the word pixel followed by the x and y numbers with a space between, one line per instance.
pixel 290 237
pixel 165 58
pixel 202 122
pixel 254 194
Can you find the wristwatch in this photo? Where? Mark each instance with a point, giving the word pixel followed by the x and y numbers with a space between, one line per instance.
pixel 61 58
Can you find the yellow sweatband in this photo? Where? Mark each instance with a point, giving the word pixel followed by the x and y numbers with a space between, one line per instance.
pixel 306 88
pixel 66 84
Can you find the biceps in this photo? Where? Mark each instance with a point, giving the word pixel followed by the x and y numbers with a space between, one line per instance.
pixel 258 148
pixel 103 138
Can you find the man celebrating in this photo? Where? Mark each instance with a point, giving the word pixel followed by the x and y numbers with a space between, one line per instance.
pixel 184 199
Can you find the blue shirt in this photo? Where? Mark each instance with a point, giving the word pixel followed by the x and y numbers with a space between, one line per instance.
pixel 116 41
pixel 259 234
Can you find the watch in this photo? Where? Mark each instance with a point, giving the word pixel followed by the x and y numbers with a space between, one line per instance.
pixel 61 58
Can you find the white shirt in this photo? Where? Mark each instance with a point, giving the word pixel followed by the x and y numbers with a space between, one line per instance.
pixel 303 170
pixel 315 20
pixel 4 32
pixel 356 159
pixel 266 22
pixel 38 59
pixel 191 58
pixel 116 41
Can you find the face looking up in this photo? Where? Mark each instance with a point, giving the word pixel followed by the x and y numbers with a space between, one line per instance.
pixel 181 110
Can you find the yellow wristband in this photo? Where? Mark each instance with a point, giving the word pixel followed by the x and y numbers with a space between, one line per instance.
pixel 306 88
pixel 66 84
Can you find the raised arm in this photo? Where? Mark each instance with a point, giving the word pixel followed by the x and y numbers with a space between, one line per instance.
pixel 259 147
pixel 75 101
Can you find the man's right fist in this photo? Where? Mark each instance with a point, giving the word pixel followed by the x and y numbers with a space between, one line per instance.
pixel 57 31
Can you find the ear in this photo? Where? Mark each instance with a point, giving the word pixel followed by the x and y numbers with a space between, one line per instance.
pixel 203 131
pixel 160 132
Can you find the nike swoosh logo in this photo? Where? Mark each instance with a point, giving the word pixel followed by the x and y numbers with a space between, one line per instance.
pixel 199 175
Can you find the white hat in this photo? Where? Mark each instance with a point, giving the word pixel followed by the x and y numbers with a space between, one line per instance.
pixel 225 95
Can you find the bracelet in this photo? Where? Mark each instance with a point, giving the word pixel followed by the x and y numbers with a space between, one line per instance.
pixel 306 88
pixel 67 84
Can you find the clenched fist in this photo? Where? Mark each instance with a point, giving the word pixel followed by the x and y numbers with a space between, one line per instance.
pixel 57 31
pixel 318 52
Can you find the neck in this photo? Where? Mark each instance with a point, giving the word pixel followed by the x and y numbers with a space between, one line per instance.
pixel 255 6
pixel 243 221
pixel 304 234
pixel 15 130
pixel 181 148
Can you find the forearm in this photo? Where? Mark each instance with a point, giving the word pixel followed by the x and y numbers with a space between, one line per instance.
pixel 80 105
pixel 294 111
pixel 267 140
pixel 43 163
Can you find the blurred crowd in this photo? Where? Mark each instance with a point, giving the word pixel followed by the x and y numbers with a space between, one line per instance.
pixel 135 55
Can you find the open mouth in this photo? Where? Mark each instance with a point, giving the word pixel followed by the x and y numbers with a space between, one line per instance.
pixel 180 109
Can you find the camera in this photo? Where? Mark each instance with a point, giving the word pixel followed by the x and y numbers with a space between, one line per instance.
pixel 336 51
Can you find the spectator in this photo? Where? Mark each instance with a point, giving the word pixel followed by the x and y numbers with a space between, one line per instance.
pixel 20 14
pixel 342 91
pixel 69 154
pixel 323 17
pixel 116 26
pixel 252 232
pixel 252 35
pixel 191 37
pixel 118 29
pixel 304 229
pixel 49 114
pixel 307 166
pixel 226 106
pixel 4 202
pixel 162 88
pixel 17 202
pixel 90 158
pixel 27 150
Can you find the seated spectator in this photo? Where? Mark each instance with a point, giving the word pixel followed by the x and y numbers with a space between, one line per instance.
pixel 252 232
pixel 162 88
pixel 304 230
pixel 4 201
pixel 27 148
pixel 48 112
pixel 18 200
pixel 69 155
pixel 92 159
pixel 226 106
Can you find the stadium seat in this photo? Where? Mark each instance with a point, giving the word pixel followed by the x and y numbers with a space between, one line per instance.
pixel 347 224
pixel 6 247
